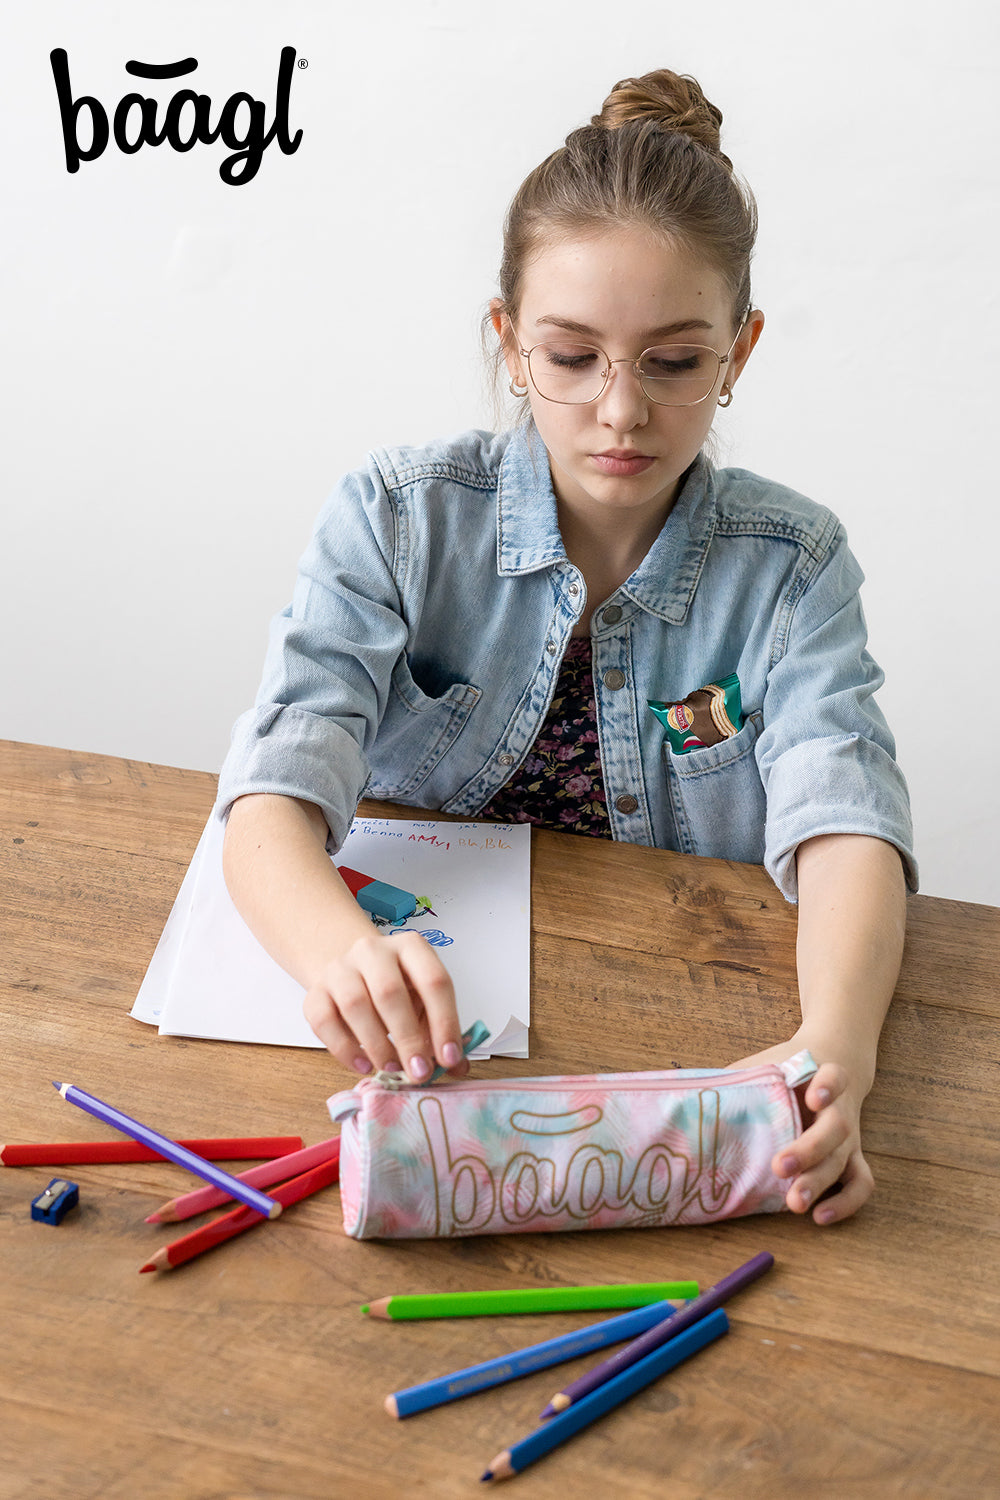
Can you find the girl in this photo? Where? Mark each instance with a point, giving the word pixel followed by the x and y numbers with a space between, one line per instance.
pixel 481 626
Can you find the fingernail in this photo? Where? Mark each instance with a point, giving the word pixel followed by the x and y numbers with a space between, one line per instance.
pixel 419 1068
pixel 823 1095
pixel 450 1054
pixel 789 1166
pixel 805 1197
pixel 823 1215
pixel 362 1065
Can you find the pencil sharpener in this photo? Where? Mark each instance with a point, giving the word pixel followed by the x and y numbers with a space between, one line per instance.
pixel 52 1206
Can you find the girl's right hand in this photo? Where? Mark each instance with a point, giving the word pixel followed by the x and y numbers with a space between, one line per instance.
pixel 388 998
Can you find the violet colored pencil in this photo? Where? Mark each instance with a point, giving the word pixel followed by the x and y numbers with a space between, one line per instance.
pixel 279 1170
pixel 690 1313
pixel 172 1150
pixel 239 1219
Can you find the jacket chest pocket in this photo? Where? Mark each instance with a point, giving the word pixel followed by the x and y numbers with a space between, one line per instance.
pixel 415 732
pixel 717 797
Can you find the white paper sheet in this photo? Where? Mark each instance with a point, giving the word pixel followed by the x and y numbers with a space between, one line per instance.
pixel 209 976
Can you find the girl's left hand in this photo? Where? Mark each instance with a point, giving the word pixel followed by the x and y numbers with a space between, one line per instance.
pixel 829 1150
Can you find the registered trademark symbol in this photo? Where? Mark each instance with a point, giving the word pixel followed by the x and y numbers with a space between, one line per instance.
pixel 303 62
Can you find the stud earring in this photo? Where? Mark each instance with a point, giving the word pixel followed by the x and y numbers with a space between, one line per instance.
pixel 517 390
pixel 729 396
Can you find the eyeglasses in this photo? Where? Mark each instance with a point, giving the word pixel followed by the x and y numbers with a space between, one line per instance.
pixel 573 374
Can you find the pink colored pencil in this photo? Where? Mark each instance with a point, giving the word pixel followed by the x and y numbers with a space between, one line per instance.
pixel 200 1200
pixel 72 1153
pixel 219 1230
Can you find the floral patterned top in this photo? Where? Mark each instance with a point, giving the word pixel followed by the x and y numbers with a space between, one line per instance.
pixel 559 784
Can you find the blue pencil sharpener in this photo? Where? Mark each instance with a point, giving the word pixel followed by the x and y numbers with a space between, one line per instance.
pixel 52 1206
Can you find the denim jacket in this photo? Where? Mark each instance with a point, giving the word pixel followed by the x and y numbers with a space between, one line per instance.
pixel 419 654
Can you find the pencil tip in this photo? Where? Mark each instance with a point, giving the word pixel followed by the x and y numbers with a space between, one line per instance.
pixel 149 1266
pixel 483 1478
pixel 364 1308
pixel 152 1219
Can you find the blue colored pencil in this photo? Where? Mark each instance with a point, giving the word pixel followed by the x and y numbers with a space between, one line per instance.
pixel 525 1361
pixel 607 1396
pixel 164 1146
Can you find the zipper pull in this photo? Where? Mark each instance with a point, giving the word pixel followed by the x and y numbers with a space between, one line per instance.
pixel 346 1105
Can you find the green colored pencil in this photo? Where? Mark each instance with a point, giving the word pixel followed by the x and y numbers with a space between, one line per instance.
pixel 536 1299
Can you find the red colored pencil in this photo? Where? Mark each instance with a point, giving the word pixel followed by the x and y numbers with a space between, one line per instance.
pixel 70 1153
pixel 224 1228
pixel 278 1170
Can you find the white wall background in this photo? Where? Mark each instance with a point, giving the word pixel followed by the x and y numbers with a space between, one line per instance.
pixel 188 366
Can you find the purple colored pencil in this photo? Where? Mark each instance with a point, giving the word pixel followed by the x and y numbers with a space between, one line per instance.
pixel 691 1312
pixel 172 1150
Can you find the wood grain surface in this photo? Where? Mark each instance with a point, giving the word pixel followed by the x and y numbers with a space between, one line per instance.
pixel 865 1366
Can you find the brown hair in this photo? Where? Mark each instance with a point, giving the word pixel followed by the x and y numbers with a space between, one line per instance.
pixel 650 158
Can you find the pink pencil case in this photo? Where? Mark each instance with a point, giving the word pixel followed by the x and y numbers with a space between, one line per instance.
pixel 599 1151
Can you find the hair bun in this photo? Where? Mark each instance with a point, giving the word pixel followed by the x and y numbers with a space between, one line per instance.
pixel 673 100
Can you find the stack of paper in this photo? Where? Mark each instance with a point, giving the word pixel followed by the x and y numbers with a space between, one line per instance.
pixel 209 976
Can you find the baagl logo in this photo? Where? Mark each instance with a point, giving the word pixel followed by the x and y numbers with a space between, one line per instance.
pixel 187 118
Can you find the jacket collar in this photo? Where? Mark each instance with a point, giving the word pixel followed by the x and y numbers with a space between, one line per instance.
pixel 528 536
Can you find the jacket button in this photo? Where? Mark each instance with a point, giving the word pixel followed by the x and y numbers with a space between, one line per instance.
pixel 626 804
pixel 550 647
pixel 614 679
pixel 574 589
pixel 611 615
pixel 505 760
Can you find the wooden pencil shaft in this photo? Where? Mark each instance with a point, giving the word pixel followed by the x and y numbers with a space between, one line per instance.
pixel 170 1149
pixel 227 1226
pixel 279 1170
pixel 530 1299
pixel 73 1153
pixel 521 1362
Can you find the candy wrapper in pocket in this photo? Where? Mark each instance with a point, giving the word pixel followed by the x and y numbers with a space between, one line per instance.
pixel 597 1151
pixel 706 717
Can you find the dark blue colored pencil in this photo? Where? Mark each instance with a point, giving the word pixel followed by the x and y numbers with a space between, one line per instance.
pixel 607 1396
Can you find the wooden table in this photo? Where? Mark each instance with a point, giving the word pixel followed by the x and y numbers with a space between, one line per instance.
pixel 865 1365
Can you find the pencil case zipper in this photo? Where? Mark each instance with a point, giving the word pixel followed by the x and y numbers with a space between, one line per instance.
pixel 794 1071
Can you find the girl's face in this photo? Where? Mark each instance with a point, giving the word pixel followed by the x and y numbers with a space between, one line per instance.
pixel 625 291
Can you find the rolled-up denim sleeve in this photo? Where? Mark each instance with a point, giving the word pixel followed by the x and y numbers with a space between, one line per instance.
pixel 827 758
pixel 329 664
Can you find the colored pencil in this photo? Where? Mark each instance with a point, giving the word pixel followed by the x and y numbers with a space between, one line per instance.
pixel 239 1219
pixel 536 1299
pixel 607 1396
pixel 279 1170
pixel 72 1153
pixel 525 1361
pixel 172 1150
pixel 672 1325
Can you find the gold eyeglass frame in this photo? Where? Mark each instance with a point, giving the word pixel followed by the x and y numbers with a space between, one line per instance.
pixel 635 363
